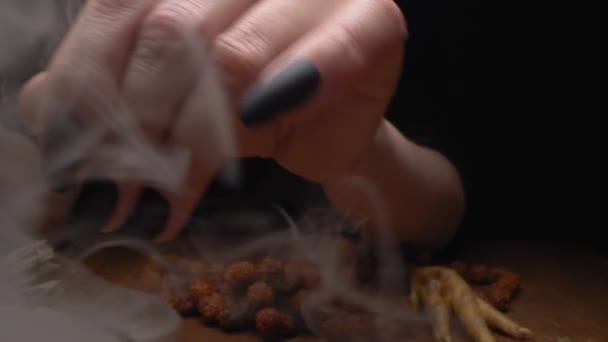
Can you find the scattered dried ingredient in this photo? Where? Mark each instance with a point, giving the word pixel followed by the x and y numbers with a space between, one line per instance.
pixel 182 303
pixel 260 295
pixel 271 321
pixel 479 274
pixel 202 288
pixel 210 307
pixel 240 275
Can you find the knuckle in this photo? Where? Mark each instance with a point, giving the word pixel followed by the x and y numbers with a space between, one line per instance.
pixel 349 41
pixel 111 6
pixel 241 53
pixel 159 40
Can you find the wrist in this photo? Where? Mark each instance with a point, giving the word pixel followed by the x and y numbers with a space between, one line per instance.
pixel 398 187
pixel 355 191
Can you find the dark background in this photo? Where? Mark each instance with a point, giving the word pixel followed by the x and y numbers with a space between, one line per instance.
pixel 496 86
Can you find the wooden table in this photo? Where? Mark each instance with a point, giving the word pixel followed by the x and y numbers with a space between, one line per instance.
pixel 563 299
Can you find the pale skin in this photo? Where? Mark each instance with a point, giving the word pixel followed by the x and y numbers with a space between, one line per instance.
pixel 132 48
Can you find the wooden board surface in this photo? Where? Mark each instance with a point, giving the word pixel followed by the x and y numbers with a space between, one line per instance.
pixel 563 299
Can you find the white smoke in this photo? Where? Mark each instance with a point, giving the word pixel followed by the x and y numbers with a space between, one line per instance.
pixel 60 298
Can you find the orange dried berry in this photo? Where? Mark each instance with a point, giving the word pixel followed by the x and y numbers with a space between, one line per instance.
pixel 240 275
pixel 271 321
pixel 201 288
pixel 210 306
pixel 260 295
pixel 479 274
pixel 182 303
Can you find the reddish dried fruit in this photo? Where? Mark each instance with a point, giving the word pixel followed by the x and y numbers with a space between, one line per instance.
pixel 270 321
pixel 210 306
pixel 240 275
pixel 479 274
pixel 182 303
pixel 483 293
pixel 460 268
pixel 201 288
pixel 260 295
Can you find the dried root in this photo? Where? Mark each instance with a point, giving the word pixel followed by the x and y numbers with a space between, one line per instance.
pixel 441 291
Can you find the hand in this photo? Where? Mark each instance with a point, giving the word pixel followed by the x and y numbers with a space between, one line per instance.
pixel 348 53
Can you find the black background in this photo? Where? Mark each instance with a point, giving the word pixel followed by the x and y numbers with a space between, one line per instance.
pixel 496 86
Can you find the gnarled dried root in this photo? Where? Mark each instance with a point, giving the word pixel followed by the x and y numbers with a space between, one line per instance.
pixel 440 291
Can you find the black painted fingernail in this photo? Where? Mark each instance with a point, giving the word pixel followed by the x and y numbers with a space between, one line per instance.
pixel 283 92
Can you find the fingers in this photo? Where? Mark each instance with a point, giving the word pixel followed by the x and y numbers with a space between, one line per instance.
pixel 32 106
pixel 342 48
pixel 165 63
pixel 205 128
pixel 100 40
pixel 83 76
pixel 499 321
pixel 81 81
pixel 198 121
pixel 245 49
pixel 183 203
pixel 249 44
pixel 128 196
pixel 106 43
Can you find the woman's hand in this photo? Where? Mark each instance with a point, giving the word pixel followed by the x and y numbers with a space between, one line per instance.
pixel 311 81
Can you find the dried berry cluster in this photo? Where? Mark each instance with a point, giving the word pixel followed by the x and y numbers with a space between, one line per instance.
pixel 263 294
pixel 497 285
pixel 267 295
